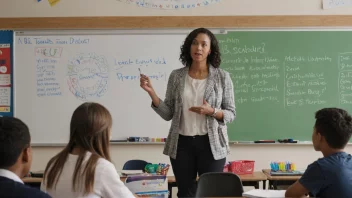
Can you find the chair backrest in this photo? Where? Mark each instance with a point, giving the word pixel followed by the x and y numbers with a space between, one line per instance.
pixel 135 165
pixel 219 185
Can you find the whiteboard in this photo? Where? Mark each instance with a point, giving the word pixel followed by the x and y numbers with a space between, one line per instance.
pixel 55 73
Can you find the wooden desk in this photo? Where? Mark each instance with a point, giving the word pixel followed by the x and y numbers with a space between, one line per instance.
pixel 247 180
pixel 254 179
pixel 32 181
pixel 275 181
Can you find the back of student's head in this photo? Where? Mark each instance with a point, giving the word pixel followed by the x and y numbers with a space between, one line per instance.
pixel 335 125
pixel 90 129
pixel 14 144
pixel 89 132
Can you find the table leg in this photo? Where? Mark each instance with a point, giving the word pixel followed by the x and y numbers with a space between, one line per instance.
pixel 256 186
pixel 170 190
pixel 264 184
pixel 270 185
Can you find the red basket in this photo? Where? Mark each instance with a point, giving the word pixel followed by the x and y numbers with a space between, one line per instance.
pixel 241 167
pixel 226 168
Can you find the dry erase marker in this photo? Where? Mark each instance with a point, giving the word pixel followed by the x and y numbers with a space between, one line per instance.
pixel 140 72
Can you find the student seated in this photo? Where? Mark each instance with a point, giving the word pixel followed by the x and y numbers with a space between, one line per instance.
pixel 83 167
pixel 15 159
pixel 330 176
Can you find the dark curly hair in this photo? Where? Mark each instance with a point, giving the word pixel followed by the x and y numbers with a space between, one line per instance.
pixel 335 125
pixel 213 58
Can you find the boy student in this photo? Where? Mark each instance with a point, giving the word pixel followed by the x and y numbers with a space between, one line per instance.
pixel 15 159
pixel 330 176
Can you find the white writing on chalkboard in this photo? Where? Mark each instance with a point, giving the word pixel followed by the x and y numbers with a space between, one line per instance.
pixel 308 58
pixel 345 78
pixel 257 77
pixel 243 49
pixel 255 74
pixel 301 87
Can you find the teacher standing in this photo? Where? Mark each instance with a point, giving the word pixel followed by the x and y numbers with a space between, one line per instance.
pixel 200 102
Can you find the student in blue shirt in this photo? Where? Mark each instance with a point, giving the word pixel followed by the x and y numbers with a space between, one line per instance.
pixel 15 159
pixel 330 176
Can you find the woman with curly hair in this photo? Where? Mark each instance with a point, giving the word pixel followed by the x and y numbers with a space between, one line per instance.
pixel 200 102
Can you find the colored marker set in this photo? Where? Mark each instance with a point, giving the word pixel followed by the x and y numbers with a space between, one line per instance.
pixel 283 166
pixel 158 169
pixel 145 139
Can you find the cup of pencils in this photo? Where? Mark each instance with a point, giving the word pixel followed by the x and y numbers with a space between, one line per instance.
pixel 283 166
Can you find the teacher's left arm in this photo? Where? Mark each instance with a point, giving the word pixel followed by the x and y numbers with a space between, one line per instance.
pixel 228 101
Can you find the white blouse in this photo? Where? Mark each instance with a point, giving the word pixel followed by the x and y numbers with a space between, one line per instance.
pixel 192 123
pixel 107 182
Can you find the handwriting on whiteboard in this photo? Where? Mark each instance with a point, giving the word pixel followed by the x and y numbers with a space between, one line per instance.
pixel 47 82
pixel 327 4
pixel 53 52
pixel 50 41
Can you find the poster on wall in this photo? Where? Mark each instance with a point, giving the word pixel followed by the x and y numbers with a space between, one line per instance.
pixel 6 90
pixel 170 4
pixel 327 4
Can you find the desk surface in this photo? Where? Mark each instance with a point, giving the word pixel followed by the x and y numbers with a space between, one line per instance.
pixel 32 180
pixel 270 177
pixel 256 176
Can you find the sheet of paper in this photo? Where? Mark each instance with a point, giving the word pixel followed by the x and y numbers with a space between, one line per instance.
pixel 327 4
pixel 264 193
pixel 5 96
pixel 131 172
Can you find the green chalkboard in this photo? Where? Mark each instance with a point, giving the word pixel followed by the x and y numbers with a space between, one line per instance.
pixel 281 78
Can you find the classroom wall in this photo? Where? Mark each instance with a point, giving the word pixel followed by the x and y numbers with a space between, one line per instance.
pixel 30 8
pixel 262 154
pixel 302 155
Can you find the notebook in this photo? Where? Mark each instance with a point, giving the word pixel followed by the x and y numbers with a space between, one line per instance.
pixel 264 193
pixel 131 172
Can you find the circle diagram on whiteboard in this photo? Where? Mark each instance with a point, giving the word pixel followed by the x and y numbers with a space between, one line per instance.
pixel 87 76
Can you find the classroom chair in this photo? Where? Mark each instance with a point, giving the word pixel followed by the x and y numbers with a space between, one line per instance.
pixel 219 185
pixel 135 165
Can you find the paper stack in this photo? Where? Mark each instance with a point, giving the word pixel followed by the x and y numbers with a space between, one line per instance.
pixel 257 193
pixel 131 172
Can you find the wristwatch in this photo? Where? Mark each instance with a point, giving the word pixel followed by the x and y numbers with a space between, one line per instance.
pixel 215 111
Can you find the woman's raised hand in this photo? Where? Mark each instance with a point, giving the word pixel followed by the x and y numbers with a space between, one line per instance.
pixel 146 84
